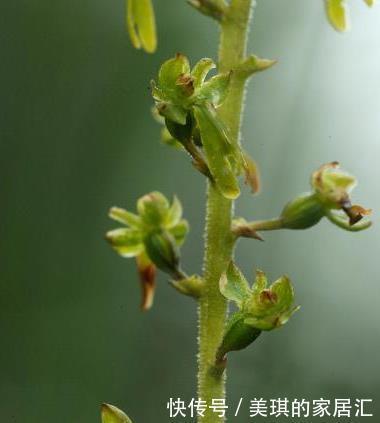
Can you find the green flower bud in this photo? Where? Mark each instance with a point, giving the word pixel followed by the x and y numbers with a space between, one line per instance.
pixel 164 253
pixel 331 192
pixel 153 237
pixel 141 24
pixel 111 414
pixel 333 186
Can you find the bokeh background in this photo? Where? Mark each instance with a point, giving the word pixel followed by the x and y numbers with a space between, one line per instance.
pixel 77 137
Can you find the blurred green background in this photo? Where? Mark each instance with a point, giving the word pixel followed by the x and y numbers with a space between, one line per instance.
pixel 77 137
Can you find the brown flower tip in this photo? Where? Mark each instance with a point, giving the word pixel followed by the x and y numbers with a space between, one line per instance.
pixel 147 274
pixel 356 213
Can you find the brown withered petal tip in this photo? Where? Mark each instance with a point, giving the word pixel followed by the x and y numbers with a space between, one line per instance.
pixel 356 213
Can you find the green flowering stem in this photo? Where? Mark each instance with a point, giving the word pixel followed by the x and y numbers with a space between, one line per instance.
pixel 219 239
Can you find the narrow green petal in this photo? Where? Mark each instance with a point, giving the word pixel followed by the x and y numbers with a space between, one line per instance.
pixel 175 213
pixel 126 242
pixel 179 231
pixel 261 282
pixel 233 285
pixel 172 112
pixel 215 90
pixel 171 70
pixel 200 71
pixel 125 217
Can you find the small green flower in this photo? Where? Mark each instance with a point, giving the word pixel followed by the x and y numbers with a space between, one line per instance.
pixel 188 102
pixel 153 237
pixel 142 25
pixel 261 308
pixel 330 198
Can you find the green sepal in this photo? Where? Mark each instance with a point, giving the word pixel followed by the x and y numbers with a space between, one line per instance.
pixel 174 214
pixel 269 308
pixel 126 242
pixel 153 209
pixel 218 151
pixel 303 212
pixel 337 14
pixel 169 73
pixel 215 90
pixel 112 414
pixel 233 285
pixel 179 231
pixel 200 71
pixel 172 112
pixel 141 24
pixel 237 335
pixel 162 249
pixel 267 324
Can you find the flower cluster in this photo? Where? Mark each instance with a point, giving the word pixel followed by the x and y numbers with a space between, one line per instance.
pixel 330 198
pixel 188 104
pixel 153 236
pixel 260 307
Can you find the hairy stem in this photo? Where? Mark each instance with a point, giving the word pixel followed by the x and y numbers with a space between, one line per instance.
pixel 219 239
